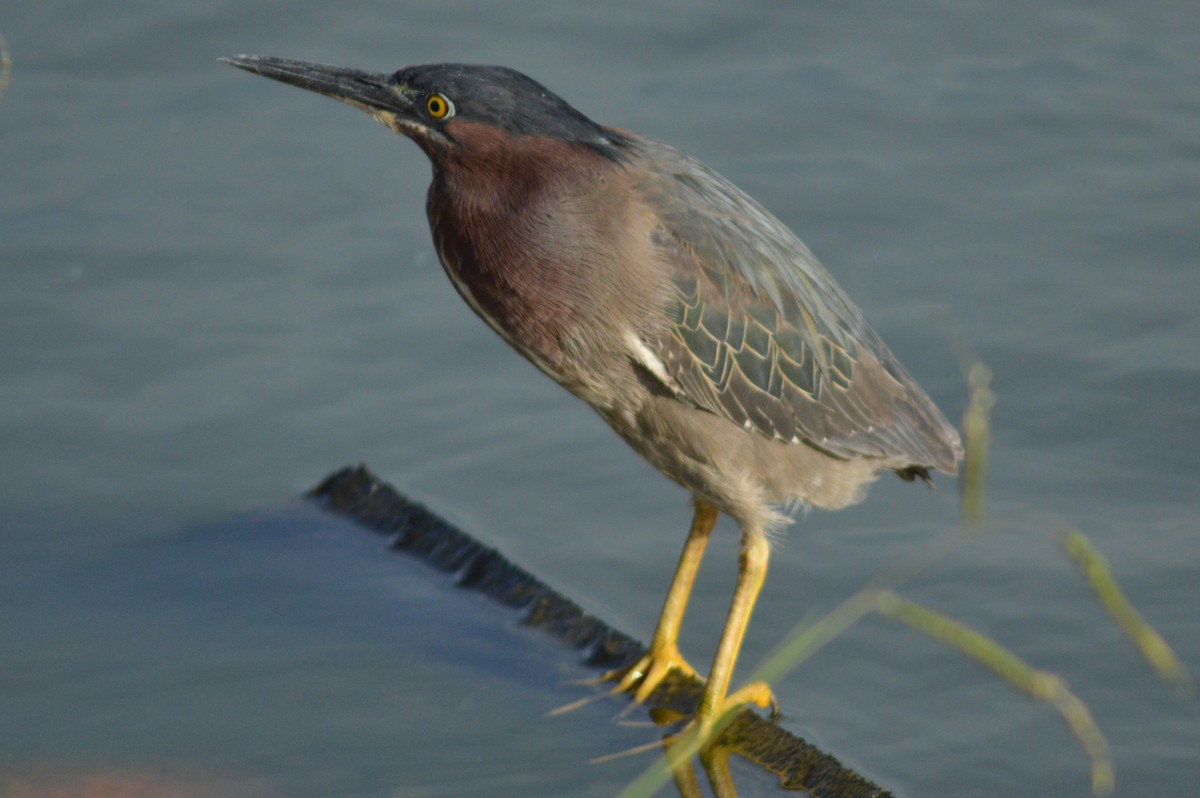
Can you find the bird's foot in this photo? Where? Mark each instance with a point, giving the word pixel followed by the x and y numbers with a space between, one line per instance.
pixel 757 693
pixel 643 677
pixel 710 719
pixel 700 733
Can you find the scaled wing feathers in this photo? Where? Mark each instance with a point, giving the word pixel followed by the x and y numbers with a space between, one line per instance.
pixel 761 334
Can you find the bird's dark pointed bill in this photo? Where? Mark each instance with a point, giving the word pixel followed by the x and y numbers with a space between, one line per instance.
pixel 366 90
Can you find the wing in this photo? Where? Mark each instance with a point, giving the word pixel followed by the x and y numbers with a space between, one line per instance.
pixel 760 333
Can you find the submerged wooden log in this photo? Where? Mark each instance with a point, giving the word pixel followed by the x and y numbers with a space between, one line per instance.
pixel 358 494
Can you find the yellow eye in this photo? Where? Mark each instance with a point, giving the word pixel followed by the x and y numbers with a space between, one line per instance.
pixel 438 106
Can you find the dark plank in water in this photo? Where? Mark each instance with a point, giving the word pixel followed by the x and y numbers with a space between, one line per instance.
pixel 358 494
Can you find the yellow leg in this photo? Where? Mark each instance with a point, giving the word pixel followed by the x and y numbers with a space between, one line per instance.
pixel 663 657
pixel 752 571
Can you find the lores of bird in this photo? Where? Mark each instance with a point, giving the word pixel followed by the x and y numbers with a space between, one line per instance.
pixel 691 319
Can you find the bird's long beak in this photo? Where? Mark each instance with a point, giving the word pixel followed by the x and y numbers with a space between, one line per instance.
pixel 374 93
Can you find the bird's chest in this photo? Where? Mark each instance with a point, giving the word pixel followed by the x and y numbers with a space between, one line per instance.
pixel 515 270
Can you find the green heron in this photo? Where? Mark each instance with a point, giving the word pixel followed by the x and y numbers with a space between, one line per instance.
pixel 691 319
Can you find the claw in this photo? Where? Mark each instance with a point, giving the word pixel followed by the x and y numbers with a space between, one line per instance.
pixel 574 705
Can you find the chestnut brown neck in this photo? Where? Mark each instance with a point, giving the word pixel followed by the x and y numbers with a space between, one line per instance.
pixel 492 208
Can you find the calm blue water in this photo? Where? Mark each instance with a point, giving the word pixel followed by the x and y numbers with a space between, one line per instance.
pixel 215 289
